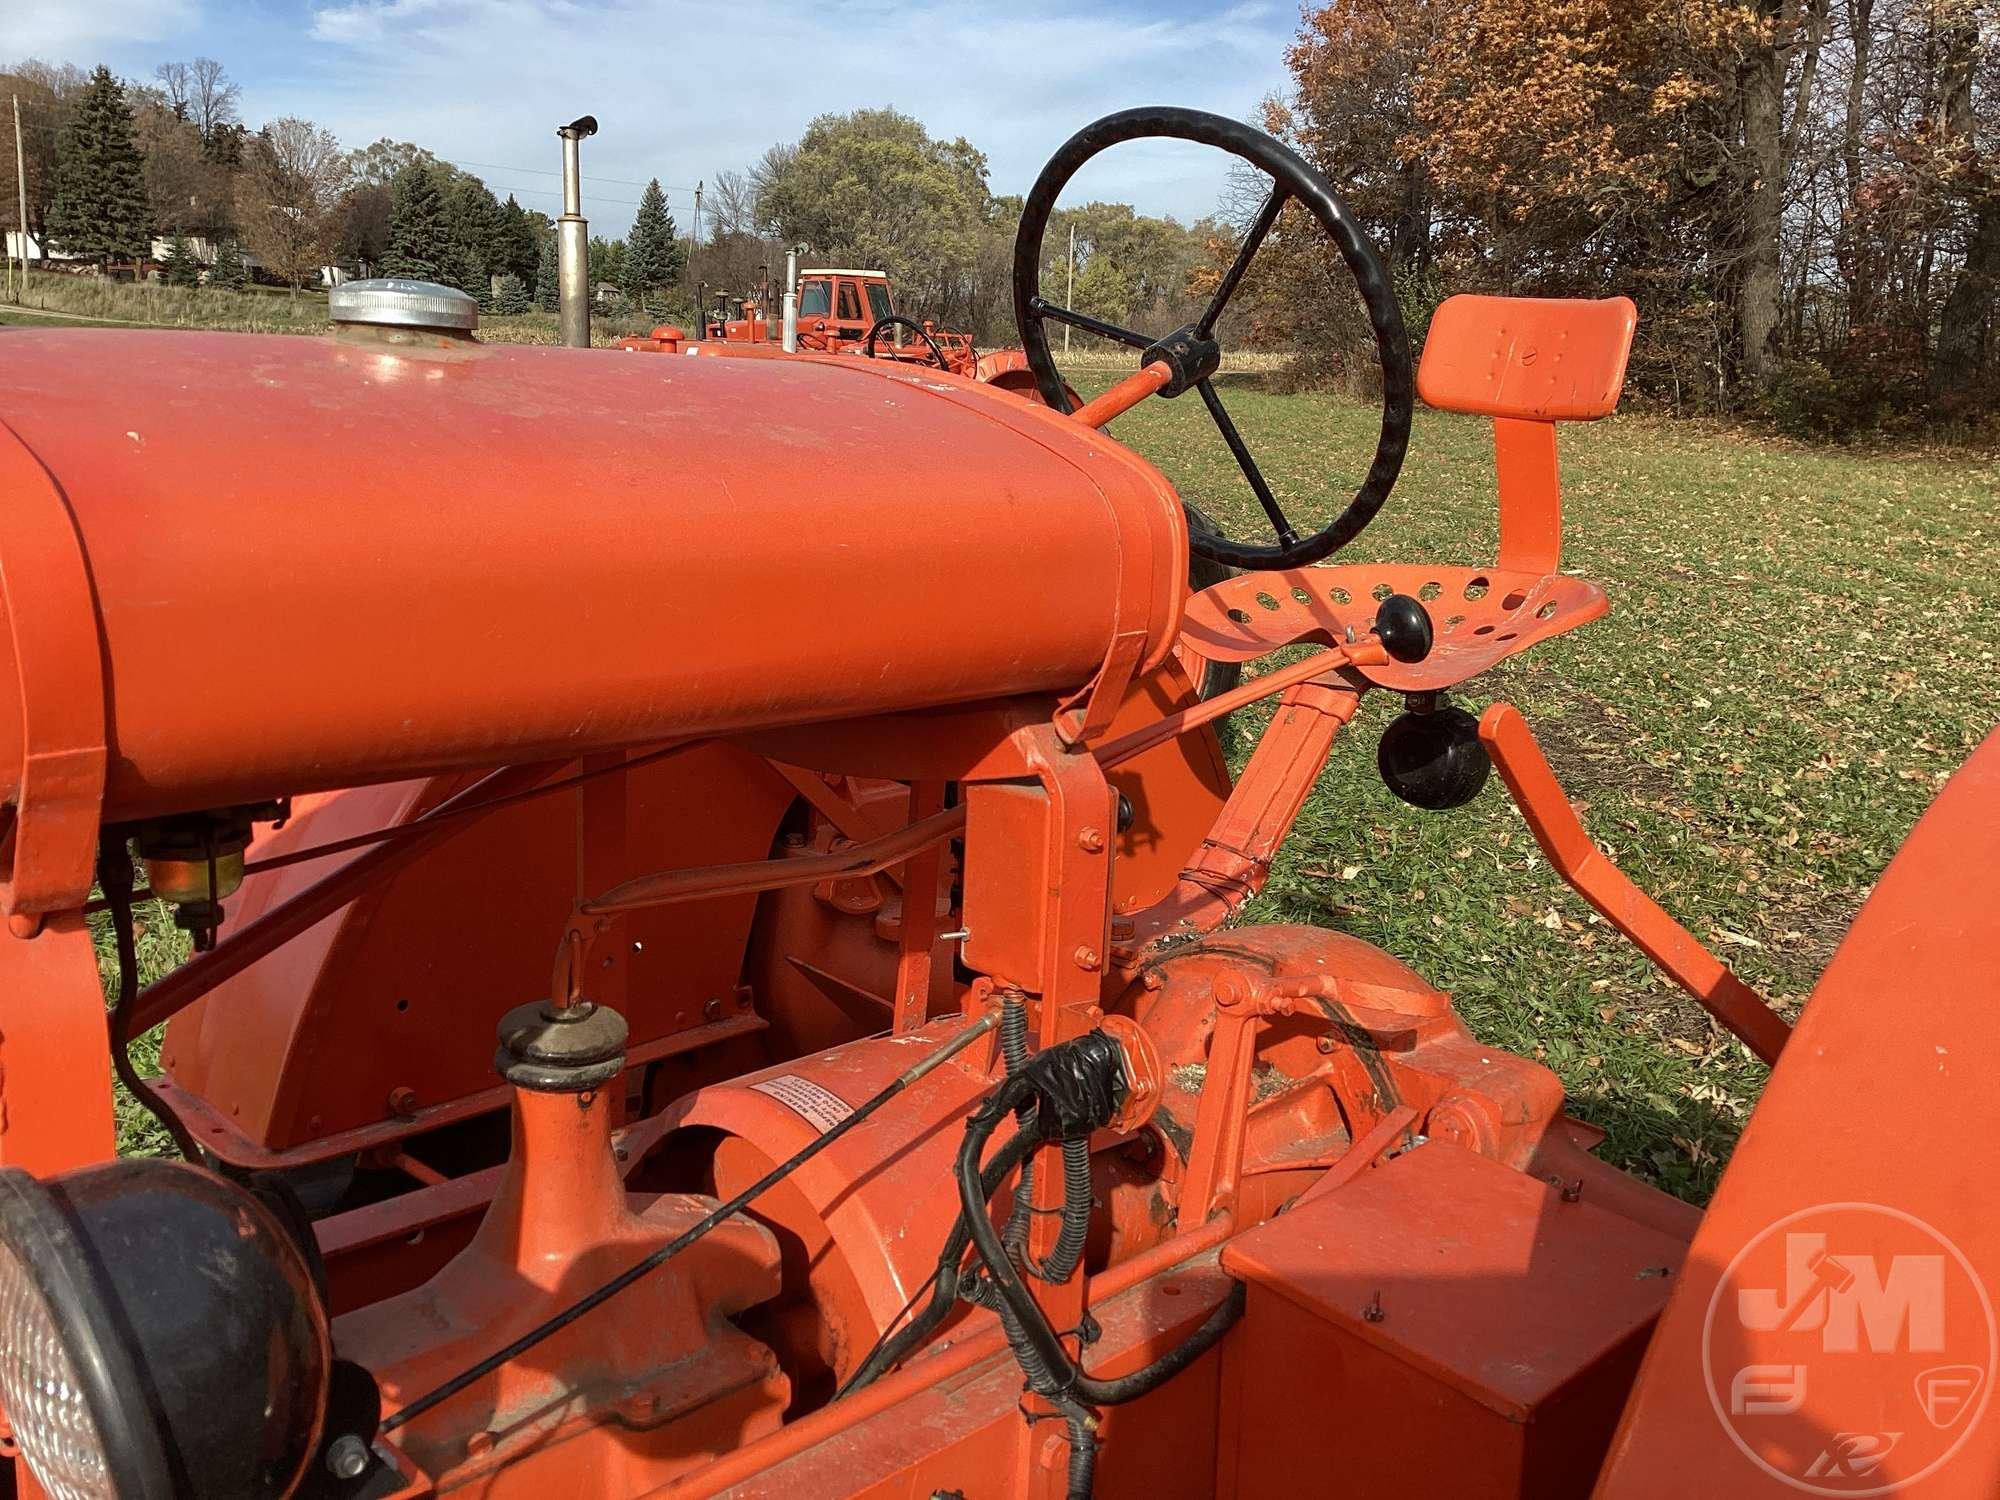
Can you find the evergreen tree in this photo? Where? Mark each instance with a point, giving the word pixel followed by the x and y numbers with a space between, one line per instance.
pixel 607 263
pixel 546 278
pixel 100 204
pixel 473 218
pixel 180 266
pixel 228 272
pixel 653 251
pixel 418 242
pixel 512 295
pixel 514 252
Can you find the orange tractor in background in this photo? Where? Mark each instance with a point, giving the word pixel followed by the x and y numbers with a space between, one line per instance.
pixel 837 311
pixel 844 312
pixel 735 983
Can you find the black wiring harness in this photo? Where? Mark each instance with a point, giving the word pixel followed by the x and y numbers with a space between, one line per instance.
pixel 1060 1095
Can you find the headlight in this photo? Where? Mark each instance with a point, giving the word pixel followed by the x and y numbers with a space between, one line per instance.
pixel 160 1336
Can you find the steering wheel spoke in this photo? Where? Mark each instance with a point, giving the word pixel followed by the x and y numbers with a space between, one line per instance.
pixel 1287 535
pixel 1042 308
pixel 1253 237
pixel 1188 357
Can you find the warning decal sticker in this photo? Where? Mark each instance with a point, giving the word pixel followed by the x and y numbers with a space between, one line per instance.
pixel 820 1107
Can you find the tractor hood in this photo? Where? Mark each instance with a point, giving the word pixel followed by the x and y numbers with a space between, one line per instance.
pixel 273 564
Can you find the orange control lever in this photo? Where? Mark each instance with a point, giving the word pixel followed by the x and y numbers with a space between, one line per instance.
pixel 1600 882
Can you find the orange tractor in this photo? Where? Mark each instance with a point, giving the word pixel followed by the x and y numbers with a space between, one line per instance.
pixel 747 996
pixel 836 311
pixel 843 312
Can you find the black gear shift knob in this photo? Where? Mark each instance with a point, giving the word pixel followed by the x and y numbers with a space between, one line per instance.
pixel 1404 628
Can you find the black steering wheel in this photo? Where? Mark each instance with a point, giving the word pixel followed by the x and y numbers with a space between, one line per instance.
pixel 897 320
pixel 1190 354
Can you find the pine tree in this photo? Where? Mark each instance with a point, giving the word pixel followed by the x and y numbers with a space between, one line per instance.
pixel 180 266
pixel 518 242
pixel 100 204
pixel 546 278
pixel 417 231
pixel 228 272
pixel 653 251
pixel 473 216
pixel 511 296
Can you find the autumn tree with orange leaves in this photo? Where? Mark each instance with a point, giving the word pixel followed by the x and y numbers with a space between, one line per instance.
pixel 1748 170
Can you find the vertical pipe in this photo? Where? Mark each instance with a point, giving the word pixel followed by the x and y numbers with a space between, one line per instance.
pixel 573 241
pixel 791 326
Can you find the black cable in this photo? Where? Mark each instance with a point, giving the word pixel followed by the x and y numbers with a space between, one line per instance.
pixel 1067 1253
pixel 604 1293
pixel 1014 1052
pixel 1038 1348
pixel 893 1348
pixel 114 877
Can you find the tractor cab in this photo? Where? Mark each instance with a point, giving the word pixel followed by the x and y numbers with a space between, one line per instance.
pixel 841 306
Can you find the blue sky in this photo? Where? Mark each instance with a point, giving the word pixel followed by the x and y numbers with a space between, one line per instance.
pixel 684 91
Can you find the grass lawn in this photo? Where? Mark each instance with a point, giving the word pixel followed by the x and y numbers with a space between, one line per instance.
pixel 1801 649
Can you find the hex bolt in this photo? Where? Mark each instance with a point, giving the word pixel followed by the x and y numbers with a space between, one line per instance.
pixel 1325 1044
pixel 346 1457
pixel 1086 958
pixel 1091 840
pixel 1572 1192
pixel 713 1010
pixel 1373 1312
pixel 403 1101
pixel 1229 990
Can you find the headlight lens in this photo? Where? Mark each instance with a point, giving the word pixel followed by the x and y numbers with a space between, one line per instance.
pixel 160 1335
pixel 42 1395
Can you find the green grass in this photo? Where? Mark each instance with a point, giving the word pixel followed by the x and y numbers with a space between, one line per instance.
pixel 1801 648
pixel 90 299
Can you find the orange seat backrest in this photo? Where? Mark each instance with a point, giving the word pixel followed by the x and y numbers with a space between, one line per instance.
pixel 1528 363
pixel 1540 359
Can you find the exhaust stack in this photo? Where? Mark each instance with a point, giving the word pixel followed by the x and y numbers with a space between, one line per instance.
pixel 791 335
pixel 573 239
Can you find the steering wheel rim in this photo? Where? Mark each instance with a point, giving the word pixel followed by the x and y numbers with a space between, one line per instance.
pixel 897 320
pixel 1191 350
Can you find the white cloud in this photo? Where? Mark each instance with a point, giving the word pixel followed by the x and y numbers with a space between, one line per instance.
pixel 79 30
pixel 684 91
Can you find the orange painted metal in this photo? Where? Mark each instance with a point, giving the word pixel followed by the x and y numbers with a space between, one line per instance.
pixel 1528 363
pixel 1233 860
pixel 863 1222
pixel 1146 381
pixel 1907 1015
pixel 394 997
pixel 52 735
pixel 338 484
pixel 55 1060
pixel 1492 1364
pixel 1539 359
pixel 1593 876
pixel 1481 615
pixel 624 1398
